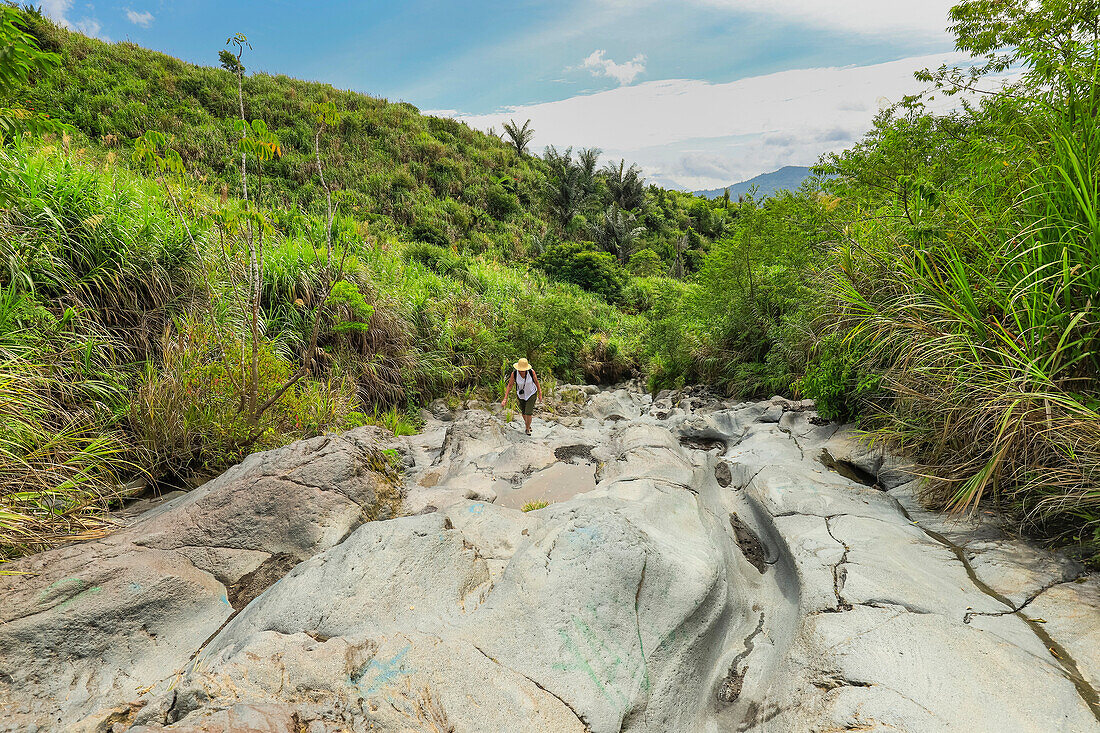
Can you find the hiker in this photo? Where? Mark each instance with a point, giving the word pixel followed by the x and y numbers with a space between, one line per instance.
pixel 528 389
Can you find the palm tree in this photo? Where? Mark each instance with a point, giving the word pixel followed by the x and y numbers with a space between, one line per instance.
pixel 520 136
pixel 626 185
pixel 617 231
pixel 679 269
pixel 567 192
pixel 566 197
pixel 588 159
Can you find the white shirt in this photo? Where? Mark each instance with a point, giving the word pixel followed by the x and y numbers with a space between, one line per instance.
pixel 525 385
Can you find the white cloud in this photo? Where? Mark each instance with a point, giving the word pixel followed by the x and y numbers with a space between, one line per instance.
pixel 90 27
pixel 144 18
pixel 696 134
pixel 868 17
pixel 58 10
pixel 623 73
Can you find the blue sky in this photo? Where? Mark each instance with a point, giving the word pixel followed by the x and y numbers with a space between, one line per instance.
pixel 701 92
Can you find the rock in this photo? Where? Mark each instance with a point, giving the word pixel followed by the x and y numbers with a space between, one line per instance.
pixel 480 493
pixel 240 718
pixel 440 410
pixel 696 570
pixel 1017 570
pixel 572 393
pixel 773 414
pixel 612 405
pixel 410 605
pixel 874 669
pixel 119 613
pixel 847 446
pixel 1067 612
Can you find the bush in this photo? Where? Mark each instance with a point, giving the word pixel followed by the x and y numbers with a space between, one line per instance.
pixel 645 263
pixel 499 203
pixel 596 272
pixel 836 380
pixel 186 414
pixel 602 360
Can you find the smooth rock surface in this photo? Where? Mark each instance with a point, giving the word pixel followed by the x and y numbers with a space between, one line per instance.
pixel 701 566
pixel 93 624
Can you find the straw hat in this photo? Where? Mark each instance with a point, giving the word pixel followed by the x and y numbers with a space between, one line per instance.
pixel 522 365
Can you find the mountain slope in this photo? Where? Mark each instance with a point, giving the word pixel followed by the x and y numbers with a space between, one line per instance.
pixel 789 178
pixel 419 177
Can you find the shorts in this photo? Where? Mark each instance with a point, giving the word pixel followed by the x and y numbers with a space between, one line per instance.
pixel 528 405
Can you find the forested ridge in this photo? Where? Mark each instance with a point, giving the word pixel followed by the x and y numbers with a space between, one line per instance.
pixel 166 308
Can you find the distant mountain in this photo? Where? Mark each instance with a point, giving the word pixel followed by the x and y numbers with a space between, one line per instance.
pixel 789 177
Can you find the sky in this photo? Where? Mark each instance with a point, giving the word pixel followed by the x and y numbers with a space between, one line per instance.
pixel 700 93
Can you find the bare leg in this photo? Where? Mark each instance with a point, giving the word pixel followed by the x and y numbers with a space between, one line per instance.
pixel 527 420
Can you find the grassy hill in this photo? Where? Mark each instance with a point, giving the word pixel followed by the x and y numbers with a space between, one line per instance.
pixel 153 326
pixel 418 177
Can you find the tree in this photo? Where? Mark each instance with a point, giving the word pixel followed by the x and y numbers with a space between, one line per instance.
pixel 616 232
pixel 578 263
pixel 232 63
pixel 587 160
pixel 1057 42
pixel 567 190
pixel 679 260
pixel 625 185
pixel 519 136
pixel 645 263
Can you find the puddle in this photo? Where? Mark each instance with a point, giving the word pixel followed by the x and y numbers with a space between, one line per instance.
pixel 558 482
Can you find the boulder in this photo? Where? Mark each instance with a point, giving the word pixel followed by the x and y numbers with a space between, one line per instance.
pixel 613 405
pixel 84 627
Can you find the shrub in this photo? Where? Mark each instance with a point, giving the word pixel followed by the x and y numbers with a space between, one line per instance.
pixel 645 263
pixel 597 272
pixel 500 203
pixel 836 380
pixel 187 413
pixel 602 361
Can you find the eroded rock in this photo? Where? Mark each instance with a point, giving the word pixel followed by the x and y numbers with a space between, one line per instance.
pixel 90 625
pixel 697 568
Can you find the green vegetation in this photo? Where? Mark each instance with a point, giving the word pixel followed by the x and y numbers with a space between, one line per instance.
pixel 968 279
pixel 535 505
pixel 942 286
pixel 167 308
pixel 202 262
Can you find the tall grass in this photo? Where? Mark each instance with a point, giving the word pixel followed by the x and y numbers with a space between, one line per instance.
pixel 63 457
pixel 102 243
pixel 991 335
